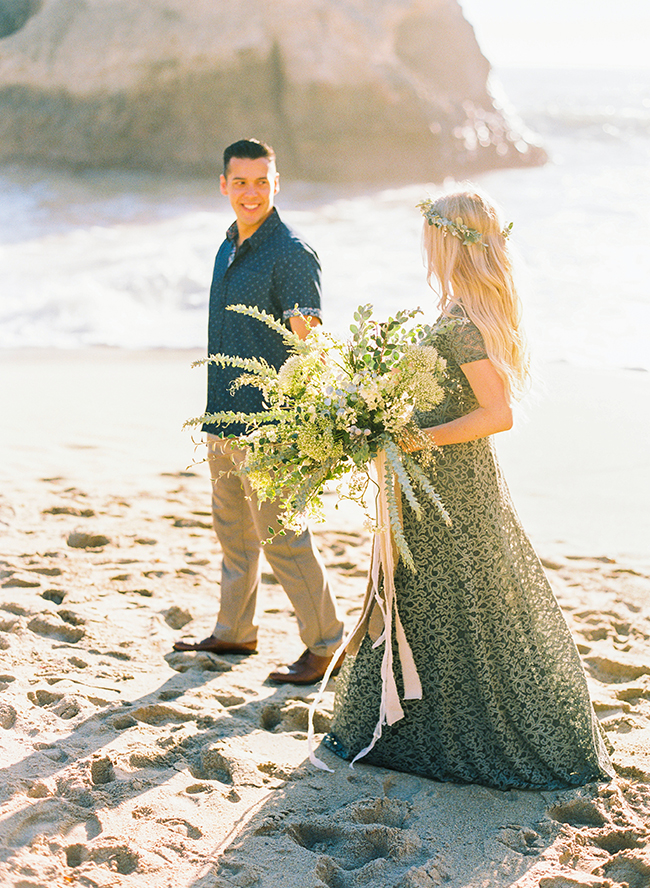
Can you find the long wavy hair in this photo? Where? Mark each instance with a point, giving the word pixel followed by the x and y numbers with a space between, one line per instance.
pixel 477 279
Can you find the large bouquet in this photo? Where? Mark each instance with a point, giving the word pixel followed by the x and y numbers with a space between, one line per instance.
pixel 333 409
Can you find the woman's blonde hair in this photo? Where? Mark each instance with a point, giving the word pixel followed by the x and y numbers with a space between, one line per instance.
pixel 477 277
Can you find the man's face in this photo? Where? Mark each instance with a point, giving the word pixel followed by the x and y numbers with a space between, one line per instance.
pixel 251 186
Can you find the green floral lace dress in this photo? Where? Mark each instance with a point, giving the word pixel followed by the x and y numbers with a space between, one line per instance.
pixel 504 696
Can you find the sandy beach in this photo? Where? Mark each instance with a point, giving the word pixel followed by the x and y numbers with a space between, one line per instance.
pixel 125 764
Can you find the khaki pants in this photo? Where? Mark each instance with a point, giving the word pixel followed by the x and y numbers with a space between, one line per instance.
pixel 240 523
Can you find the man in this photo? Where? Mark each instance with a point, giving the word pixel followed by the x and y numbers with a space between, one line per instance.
pixel 264 263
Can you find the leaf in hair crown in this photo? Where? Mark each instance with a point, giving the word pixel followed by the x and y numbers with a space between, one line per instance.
pixel 457 227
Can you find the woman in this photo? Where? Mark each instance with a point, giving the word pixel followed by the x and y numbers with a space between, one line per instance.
pixel 504 697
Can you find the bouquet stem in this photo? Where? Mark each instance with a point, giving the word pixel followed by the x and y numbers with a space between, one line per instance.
pixel 384 552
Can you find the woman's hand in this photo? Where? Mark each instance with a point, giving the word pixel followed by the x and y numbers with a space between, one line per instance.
pixel 412 440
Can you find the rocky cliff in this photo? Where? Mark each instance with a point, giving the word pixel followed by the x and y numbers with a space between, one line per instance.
pixel 363 90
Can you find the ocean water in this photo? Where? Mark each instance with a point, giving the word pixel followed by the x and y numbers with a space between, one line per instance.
pixel 124 259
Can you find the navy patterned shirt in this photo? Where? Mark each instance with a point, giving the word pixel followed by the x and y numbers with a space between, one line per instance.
pixel 278 273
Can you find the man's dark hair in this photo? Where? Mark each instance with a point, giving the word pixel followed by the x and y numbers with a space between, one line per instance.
pixel 246 148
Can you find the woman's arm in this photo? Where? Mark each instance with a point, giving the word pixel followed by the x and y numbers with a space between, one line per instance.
pixel 493 414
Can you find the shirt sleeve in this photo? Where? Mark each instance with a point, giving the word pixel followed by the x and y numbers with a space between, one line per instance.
pixel 298 282
pixel 466 343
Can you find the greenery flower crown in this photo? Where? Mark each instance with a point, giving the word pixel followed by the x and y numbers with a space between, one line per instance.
pixel 464 233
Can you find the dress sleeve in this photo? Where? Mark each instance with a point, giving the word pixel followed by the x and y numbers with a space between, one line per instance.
pixel 466 343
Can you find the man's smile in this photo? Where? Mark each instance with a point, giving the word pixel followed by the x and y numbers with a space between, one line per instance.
pixel 251 185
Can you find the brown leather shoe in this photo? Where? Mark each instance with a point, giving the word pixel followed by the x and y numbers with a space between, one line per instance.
pixel 212 645
pixel 307 669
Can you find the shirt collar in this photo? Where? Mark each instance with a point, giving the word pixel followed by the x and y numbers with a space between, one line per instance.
pixel 258 236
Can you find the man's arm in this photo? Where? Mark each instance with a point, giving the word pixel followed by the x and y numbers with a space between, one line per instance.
pixel 297 278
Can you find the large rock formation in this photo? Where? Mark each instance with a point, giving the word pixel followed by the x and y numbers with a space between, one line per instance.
pixel 366 90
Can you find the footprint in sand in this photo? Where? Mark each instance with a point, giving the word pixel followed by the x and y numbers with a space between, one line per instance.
pixel 218 762
pixel 63 705
pixel 157 714
pixel 183 827
pixel 615 840
pixel 122 722
pixel 52 626
pixel 152 757
pixel 351 855
pixel 348 568
pixel 8 716
pixel 622 724
pixel 524 841
pixel 101 770
pixel 609 670
pixel 351 847
pixel 608 626
pixel 54 595
pixel 630 868
pixel 5 680
pixel 633 694
pixel 114 856
pixel 8 624
pixel 579 880
pixel 578 812
pixel 45 816
pixel 228 699
pixel 183 662
pixel 41 789
pixel 17 582
pixel 293 715
pixel 389 812
pixel 188 522
pixel 170 694
pixel 46 571
pixel 43 697
pixel 118 655
pixel 79 540
pixel 177 617
pixel 70 510
pixel 71 617
pixel 367 842
pixel 13 607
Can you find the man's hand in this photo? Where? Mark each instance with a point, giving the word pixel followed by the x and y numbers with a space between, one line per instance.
pixel 301 326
